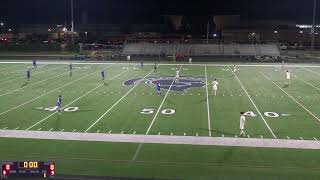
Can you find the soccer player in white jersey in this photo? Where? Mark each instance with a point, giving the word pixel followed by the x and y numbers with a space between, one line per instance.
pixel 234 68
pixel 214 87
pixel 288 78
pixel 242 124
pixel 177 76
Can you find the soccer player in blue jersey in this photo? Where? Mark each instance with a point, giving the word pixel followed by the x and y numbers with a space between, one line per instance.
pixel 28 74
pixel 103 75
pixel 34 62
pixel 158 89
pixel 155 66
pixel 59 103
pixel 70 69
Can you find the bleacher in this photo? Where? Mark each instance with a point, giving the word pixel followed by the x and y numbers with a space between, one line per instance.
pixel 201 49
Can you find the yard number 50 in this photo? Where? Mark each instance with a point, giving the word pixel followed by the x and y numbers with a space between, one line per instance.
pixel 164 111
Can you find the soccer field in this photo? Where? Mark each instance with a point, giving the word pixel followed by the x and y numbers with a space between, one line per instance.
pixel 127 102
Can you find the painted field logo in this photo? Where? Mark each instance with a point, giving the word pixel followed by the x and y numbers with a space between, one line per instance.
pixel 185 82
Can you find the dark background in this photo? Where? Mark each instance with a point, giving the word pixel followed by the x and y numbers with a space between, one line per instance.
pixel 150 11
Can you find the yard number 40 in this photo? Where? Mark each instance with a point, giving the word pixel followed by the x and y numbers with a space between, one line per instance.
pixel 267 114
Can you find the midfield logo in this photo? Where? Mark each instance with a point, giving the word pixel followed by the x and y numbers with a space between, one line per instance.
pixel 185 82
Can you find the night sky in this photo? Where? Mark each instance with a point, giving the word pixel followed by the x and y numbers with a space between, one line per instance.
pixel 149 11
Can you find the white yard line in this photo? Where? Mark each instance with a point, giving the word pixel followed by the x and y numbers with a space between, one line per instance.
pixel 154 118
pixel 314 72
pixel 115 104
pixel 17 66
pixel 208 108
pixel 44 80
pixel 73 102
pixel 51 129
pixel 136 153
pixel 23 77
pixel 265 122
pixel 291 97
pixel 163 100
pixel 163 139
pixel 306 82
pixel 2 113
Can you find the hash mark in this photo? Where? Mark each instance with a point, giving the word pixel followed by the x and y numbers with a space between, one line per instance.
pixel 74 130
pixel 109 131
pixel 171 134
pixel 5 128
pixel 315 139
pixel 235 136
pixel 61 130
pixel 51 129
pixel 222 135
pixel 17 128
pixel 248 136
pixel 98 131
pixel 301 138
pixel 261 136
pixel 159 133
pixel 197 134
pixel 288 137
pixel 134 132
pixel 39 129
pixel 122 132
pixel 184 134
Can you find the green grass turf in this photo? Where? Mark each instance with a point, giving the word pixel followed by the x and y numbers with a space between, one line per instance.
pixel 165 161
pixel 110 107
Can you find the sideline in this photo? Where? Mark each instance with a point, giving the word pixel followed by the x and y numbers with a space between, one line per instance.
pixel 162 139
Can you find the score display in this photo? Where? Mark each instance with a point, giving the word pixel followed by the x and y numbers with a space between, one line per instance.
pixel 28 169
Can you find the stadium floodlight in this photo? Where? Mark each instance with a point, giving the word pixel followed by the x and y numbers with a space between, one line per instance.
pixel 1 24
pixel 301 32
pixel 9 30
pixel 49 30
pixel 276 32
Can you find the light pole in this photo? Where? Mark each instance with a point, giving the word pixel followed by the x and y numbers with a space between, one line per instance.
pixel 86 35
pixel 313 25
pixel 72 28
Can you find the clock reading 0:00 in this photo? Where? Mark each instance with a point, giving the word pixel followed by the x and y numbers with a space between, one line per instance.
pixel 31 165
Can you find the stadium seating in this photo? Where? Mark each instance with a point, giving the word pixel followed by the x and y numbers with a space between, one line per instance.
pixel 201 49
